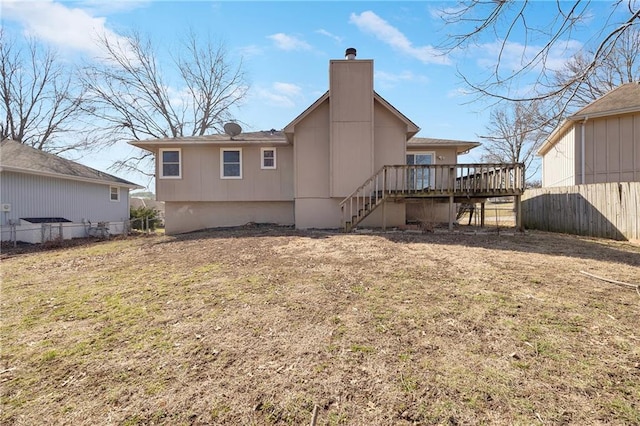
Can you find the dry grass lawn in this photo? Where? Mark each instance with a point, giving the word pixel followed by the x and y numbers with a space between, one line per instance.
pixel 259 326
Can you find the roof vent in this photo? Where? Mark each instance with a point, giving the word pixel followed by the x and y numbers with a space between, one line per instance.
pixel 350 54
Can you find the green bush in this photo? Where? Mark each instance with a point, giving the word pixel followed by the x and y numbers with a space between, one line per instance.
pixel 139 217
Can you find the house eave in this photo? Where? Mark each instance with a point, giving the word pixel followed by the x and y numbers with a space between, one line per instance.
pixel 412 128
pixel 628 110
pixel 289 129
pixel 553 137
pixel 153 145
pixel 129 185
pixel 461 148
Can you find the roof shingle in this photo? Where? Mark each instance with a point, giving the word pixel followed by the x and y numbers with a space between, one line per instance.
pixel 23 158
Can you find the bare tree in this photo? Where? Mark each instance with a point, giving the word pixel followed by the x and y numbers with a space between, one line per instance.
pixel 133 100
pixel 40 101
pixel 503 20
pixel 514 134
pixel 621 65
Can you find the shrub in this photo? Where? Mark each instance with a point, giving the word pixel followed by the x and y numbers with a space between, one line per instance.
pixel 139 215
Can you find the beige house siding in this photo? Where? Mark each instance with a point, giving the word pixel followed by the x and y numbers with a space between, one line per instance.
pixel 181 217
pixel 311 150
pixel 612 149
pixel 317 213
pixel 351 123
pixel 340 144
pixel 559 164
pixel 201 181
pixel 429 211
pixel 390 139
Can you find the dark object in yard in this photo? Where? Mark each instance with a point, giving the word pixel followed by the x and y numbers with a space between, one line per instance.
pixel 464 208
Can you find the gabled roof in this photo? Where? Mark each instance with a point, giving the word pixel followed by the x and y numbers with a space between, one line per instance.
pixel 288 129
pixel 21 158
pixel 264 137
pixel 412 128
pixel 461 146
pixel 623 99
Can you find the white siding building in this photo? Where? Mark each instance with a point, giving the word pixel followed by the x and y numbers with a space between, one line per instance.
pixel 42 195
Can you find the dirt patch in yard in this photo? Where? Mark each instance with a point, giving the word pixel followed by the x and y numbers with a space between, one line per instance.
pixel 261 325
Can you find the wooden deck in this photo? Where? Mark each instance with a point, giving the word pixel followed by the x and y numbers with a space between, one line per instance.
pixel 456 182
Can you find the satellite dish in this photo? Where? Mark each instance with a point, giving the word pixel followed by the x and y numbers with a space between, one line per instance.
pixel 232 129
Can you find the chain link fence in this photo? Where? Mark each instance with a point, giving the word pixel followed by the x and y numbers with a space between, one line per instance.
pixel 40 233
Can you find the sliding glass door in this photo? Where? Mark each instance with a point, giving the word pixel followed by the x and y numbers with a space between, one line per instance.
pixel 419 178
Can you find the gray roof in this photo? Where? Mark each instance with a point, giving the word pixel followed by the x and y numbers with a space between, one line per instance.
pixel 263 137
pixel 624 98
pixel 461 146
pixel 18 157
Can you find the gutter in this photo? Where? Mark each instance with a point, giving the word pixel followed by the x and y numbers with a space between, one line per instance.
pixel 582 147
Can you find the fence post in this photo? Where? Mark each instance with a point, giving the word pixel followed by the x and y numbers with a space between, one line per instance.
pixel 14 234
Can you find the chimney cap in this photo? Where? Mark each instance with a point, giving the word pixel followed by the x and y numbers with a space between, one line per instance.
pixel 350 53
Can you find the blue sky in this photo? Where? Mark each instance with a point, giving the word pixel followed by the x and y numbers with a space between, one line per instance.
pixel 286 46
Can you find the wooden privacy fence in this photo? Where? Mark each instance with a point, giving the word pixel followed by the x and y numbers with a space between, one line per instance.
pixel 605 210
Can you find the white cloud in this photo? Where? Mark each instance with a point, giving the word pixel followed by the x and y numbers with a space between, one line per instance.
pixel 389 79
pixel 442 13
pixel 59 25
pixel 328 34
pixel 458 93
pixel 107 7
pixel 370 23
pixel 250 50
pixel 287 42
pixel 513 56
pixel 280 94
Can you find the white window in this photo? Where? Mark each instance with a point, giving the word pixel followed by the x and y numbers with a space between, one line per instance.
pixel 114 193
pixel 268 156
pixel 170 163
pixel 230 163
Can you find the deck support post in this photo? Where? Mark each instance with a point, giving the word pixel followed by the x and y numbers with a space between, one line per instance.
pixel 451 213
pixel 518 208
pixel 384 215
pixel 482 214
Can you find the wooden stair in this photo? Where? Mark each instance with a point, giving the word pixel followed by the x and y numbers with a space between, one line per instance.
pixel 461 181
pixel 364 200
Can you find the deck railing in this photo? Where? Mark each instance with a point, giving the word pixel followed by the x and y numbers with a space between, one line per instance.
pixel 432 180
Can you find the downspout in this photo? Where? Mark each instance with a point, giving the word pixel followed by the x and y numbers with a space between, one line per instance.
pixel 582 155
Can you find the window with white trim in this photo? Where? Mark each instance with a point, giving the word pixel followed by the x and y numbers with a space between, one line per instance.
pixel 230 163
pixel 170 163
pixel 114 193
pixel 268 158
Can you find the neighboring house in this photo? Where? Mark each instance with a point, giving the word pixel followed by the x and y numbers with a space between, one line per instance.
pixel 38 189
pixel 600 143
pixel 347 154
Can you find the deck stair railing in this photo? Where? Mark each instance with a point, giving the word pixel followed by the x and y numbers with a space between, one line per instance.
pixel 431 180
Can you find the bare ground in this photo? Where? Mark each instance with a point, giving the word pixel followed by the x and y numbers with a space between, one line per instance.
pixel 259 326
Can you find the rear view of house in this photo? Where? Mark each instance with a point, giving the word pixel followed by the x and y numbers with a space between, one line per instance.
pixel 43 195
pixel 350 159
